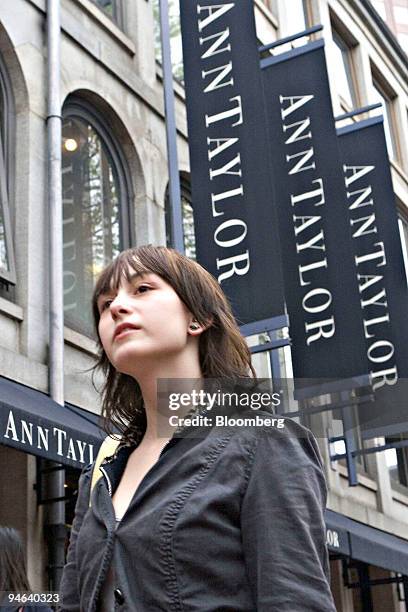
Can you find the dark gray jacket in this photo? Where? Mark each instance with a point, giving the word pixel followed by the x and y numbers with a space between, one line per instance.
pixel 229 522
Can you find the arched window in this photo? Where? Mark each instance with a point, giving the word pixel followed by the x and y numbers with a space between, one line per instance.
pixel 7 264
pixel 95 207
pixel 188 218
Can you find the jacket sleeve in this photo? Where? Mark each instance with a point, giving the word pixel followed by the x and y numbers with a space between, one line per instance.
pixel 282 522
pixel 69 587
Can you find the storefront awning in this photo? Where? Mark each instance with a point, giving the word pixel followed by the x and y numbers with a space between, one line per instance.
pixel 365 543
pixel 32 422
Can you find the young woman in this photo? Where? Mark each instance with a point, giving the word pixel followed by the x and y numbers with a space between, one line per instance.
pixel 217 518
pixel 13 573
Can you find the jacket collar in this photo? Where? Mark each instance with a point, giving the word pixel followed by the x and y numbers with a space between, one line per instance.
pixel 114 465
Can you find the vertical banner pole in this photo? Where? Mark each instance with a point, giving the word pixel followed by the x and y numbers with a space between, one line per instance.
pixel 171 131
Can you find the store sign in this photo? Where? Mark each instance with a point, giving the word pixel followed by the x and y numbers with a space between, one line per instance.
pixel 320 282
pixel 42 438
pixel 337 537
pixel 337 540
pixel 380 273
pixel 234 209
pixel 332 538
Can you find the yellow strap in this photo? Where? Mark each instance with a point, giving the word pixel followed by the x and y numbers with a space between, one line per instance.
pixel 107 449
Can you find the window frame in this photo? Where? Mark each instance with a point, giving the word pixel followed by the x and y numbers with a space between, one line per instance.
pixel 389 96
pixel 361 460
pixel 82 109
pixel 346 45
pixel 271 6
pixel 118 9
pixel 7 172
pixel 402 464
pixel 403 232
pixel 308 12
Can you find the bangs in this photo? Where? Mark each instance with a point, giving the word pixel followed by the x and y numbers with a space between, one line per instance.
pixel 139 260
pixel 124 266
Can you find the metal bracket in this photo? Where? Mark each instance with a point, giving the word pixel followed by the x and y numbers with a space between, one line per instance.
pixel 38 485
pixel 287 39
pixel 358 111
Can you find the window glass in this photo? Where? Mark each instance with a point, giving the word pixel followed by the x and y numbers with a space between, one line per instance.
pixel 4 264
pixel 397 458
pixel 298 13
pixel 188 227
pixel 342 69
pixel 361 460
pixel 7 265
pixel 91 216
pixel 379 96
pixel 293 18
pixel 2 120
pixel 175 37
pixel 110 7
pixel 397 462
pixel 403 228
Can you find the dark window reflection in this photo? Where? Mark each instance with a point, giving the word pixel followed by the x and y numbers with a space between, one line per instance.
pixel 4 255
pixel 91 224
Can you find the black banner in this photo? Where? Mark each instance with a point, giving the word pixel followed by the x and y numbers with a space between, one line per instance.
pixel 320 282
pixel 235 227
pixel 380 271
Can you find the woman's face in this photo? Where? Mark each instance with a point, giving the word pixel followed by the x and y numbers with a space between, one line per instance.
pixel 143 319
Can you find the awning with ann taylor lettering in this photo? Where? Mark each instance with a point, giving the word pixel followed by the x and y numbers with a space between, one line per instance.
pixel 32 422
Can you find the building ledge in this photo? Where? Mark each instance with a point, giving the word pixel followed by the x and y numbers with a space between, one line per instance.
pixel 99 16
pixel 21 369
pixel 115 32
pixel 399 496
pixel 363 480
pixel 11 310
pixel 78 340
pixel 368 516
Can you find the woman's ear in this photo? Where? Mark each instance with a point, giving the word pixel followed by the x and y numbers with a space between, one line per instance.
pixel 195 328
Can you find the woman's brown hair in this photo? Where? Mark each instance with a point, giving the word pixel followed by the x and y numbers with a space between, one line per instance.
pixel 13 574
pixel 223 352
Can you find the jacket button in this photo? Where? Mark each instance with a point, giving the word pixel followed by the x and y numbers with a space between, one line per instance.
pixel 119 596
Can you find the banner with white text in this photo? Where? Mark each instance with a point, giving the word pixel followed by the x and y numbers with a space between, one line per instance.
pixel 232 197
pixel 380 272
pixel 319 274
